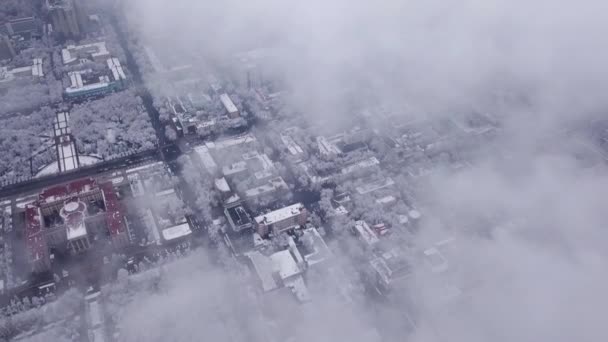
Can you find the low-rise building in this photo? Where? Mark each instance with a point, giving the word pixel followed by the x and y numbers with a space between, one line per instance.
pixel 30 73
pixel 85 83
pixel 75 54
pixel 365 234
pixel 229 106
pixel 71 216
pixel 282 219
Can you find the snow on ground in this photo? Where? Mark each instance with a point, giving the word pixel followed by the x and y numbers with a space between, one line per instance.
pixel 88 160
pixel 50 169
pixel 67 156
pixel 53 168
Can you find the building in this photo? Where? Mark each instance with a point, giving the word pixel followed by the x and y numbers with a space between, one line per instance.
pixel 390 268
pixel 23 28
pixel 282 219
pixel 313 247
pixel 74 54
pixel 69 217
pixel 238 218
pixel 278 270
pixel 7 51
pixel 29 73
pixel 252 67
pixel 365 234
pixel 229 106
pixel 67 17
pixel 95 317
pixel 86 83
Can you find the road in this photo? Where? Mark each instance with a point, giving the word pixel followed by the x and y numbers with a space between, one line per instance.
pixel 89 170
pixel 144 93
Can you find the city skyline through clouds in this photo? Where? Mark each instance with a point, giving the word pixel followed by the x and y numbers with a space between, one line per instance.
pixel 290 171
pixel 538 64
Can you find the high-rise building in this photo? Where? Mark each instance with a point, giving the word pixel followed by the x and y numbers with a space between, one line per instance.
pixel 6 47
pixel 67 17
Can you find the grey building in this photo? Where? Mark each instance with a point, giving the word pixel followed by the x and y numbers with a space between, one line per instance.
pixel 67 17
pixel 7 51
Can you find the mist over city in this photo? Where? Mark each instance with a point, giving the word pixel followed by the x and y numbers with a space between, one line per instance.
pixel 287 171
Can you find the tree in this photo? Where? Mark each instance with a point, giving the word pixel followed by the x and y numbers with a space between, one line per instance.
pixel 170 133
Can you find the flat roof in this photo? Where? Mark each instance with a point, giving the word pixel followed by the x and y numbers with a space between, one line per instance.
pixel 222 185
pixel 320 250
pixel 263 266
pixel 230 142
pixel 176 232
pixel 293 148
pixel 326 147
pixel 206 158
pixel 285 264
pixel 116 68
pixel 280 214
pixel 75 232
pixel 367 162
pixel 376 185
pixel 365 233
pixel 228 104
pixel 97 49
pixel 272 185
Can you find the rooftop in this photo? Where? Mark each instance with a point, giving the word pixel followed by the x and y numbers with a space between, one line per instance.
pixel 73 53
pixel 53 4
pixel 117 71
pixel 280 214
pixel 365 233
pixel 264 269
pixel 316 249
pixel 368 162
pixel 35 70
pixel 285 264
pixel 207 160
pixel 272 185
pixel 176 232
pixel 231 142
pixel 228 104
pixel 77 84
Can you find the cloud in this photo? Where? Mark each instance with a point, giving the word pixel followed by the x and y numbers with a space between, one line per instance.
pixel 538 66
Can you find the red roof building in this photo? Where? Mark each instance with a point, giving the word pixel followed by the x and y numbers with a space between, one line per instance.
pixel 68 215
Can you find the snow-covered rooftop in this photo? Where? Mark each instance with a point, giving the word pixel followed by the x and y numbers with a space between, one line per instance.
pixel 228 104
pixel 280 214
pixel 117 70
pixel 176 232
pixel 230 142
pixel 35 70
pixel 232 169
pixel 222 185
pixel 365 233
pixel 264 268
pixel 376 185
pixel 298 288
pixel 75 232
pixel 326 147
pixel 206 158
pixel 77 84
pixel 386 199
pixel 320 251
pixel 284 263
pixel 272 185
pixel 293 148
pixel 72 53
pixel 371 161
